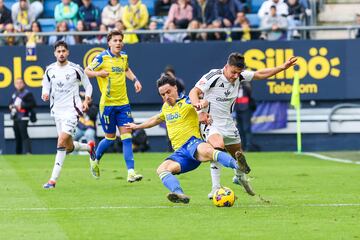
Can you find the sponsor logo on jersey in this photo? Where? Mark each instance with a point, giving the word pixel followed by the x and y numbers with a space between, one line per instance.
pixel 172 116
pixel 219 99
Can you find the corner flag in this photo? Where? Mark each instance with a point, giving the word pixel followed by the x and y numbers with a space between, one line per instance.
pixel 295 95
pixel 295 101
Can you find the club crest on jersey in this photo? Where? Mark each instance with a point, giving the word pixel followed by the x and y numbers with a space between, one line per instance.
pixel 67 76
pixel 221 85
pixel 60 84
pixel 227 93
pixel 53 76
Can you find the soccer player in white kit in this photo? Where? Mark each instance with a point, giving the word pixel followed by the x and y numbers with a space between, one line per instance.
pixel 60 85
pixel 219 88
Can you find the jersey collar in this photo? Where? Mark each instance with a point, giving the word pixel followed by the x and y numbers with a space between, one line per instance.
pixel 111 54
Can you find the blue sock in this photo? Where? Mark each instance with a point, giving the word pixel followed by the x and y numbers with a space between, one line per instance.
pixel 171 182
pixel 128 153
pixel 102 147
pixel 225 159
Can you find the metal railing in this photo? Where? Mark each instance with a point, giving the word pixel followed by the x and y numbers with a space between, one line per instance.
pixel 349 28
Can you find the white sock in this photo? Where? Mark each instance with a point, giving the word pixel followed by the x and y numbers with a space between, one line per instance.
pixel 215 169
pixel 81 146
pixel 131 171
pixel 59 161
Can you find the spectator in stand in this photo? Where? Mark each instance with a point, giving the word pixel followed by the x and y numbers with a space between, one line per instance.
pixel 275 26
pixel 241 22
pixel 82 27
pixel 23 15
pixel 62 27
pixel 111 13
pixel 135 16
pixel 226 11
pixel 162 7
pixel 180 13
pixel 90 14
pixel 67 11
pixel 101 39
pixel 173 37
pixel 281 8
pixel 21 106
pixel 204 12
pixel 152 37
pixel 194 36
pixel 36 28
pixel 295 17
pixel 86 127
pixel 5 16
pixel 10 41
pixel 129 38
pixel 357 22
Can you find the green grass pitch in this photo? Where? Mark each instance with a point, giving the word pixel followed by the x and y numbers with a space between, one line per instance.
pixel 309 199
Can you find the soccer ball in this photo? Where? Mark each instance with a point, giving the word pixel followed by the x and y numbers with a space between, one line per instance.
pixel 224 197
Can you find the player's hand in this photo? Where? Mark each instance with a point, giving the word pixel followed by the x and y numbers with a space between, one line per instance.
pixel 290 62
pixel 201 104
pixel 45 97
pixel 137 86
pixel 102 73
pixel 85 105
pixel 132 126
pixel 205 118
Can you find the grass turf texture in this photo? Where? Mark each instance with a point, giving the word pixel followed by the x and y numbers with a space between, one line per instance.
pixel 302 191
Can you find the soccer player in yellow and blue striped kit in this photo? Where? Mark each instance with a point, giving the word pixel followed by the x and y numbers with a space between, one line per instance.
pixel 111 68
pixel 182 123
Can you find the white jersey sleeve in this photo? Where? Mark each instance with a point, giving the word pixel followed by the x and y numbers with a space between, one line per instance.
pixel 247 75
pixel 206 81
pixel 46 82
pixel 85 82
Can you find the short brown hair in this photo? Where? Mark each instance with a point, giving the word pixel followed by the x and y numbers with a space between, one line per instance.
pixel 236 59
pixel 114 32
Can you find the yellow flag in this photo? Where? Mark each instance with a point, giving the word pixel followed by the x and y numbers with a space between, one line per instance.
pixel 295 96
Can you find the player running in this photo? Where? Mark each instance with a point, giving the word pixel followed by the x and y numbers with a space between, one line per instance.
pixel 111 69
pixel 219 88
pixel 182 124
pixel 60 85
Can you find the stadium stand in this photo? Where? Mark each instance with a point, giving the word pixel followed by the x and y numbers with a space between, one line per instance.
pixel 47 24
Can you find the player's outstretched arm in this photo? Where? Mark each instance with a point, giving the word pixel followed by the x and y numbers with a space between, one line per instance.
pixel 269 72
pixel 151 122
pixel 194 96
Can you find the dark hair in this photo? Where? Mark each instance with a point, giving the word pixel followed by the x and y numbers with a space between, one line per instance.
pixel 37 24
pixel 61 43
pixel 114 32
pixel 169 68
pixel 165 79
pixel 237 60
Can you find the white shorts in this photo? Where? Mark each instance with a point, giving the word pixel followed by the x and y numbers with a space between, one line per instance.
pixel 229 133
pixel 66 124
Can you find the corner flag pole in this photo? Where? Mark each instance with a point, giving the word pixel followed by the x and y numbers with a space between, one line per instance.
pixel 295 101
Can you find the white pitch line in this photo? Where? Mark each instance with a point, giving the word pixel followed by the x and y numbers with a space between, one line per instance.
pixel 173 207
pixel 323 157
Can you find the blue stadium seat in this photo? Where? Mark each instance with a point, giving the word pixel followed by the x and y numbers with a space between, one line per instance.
pixel 47 24
pixel 255 5
pixel 253 19
pixel 49 8
pixel 100 4
pixel 9 3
